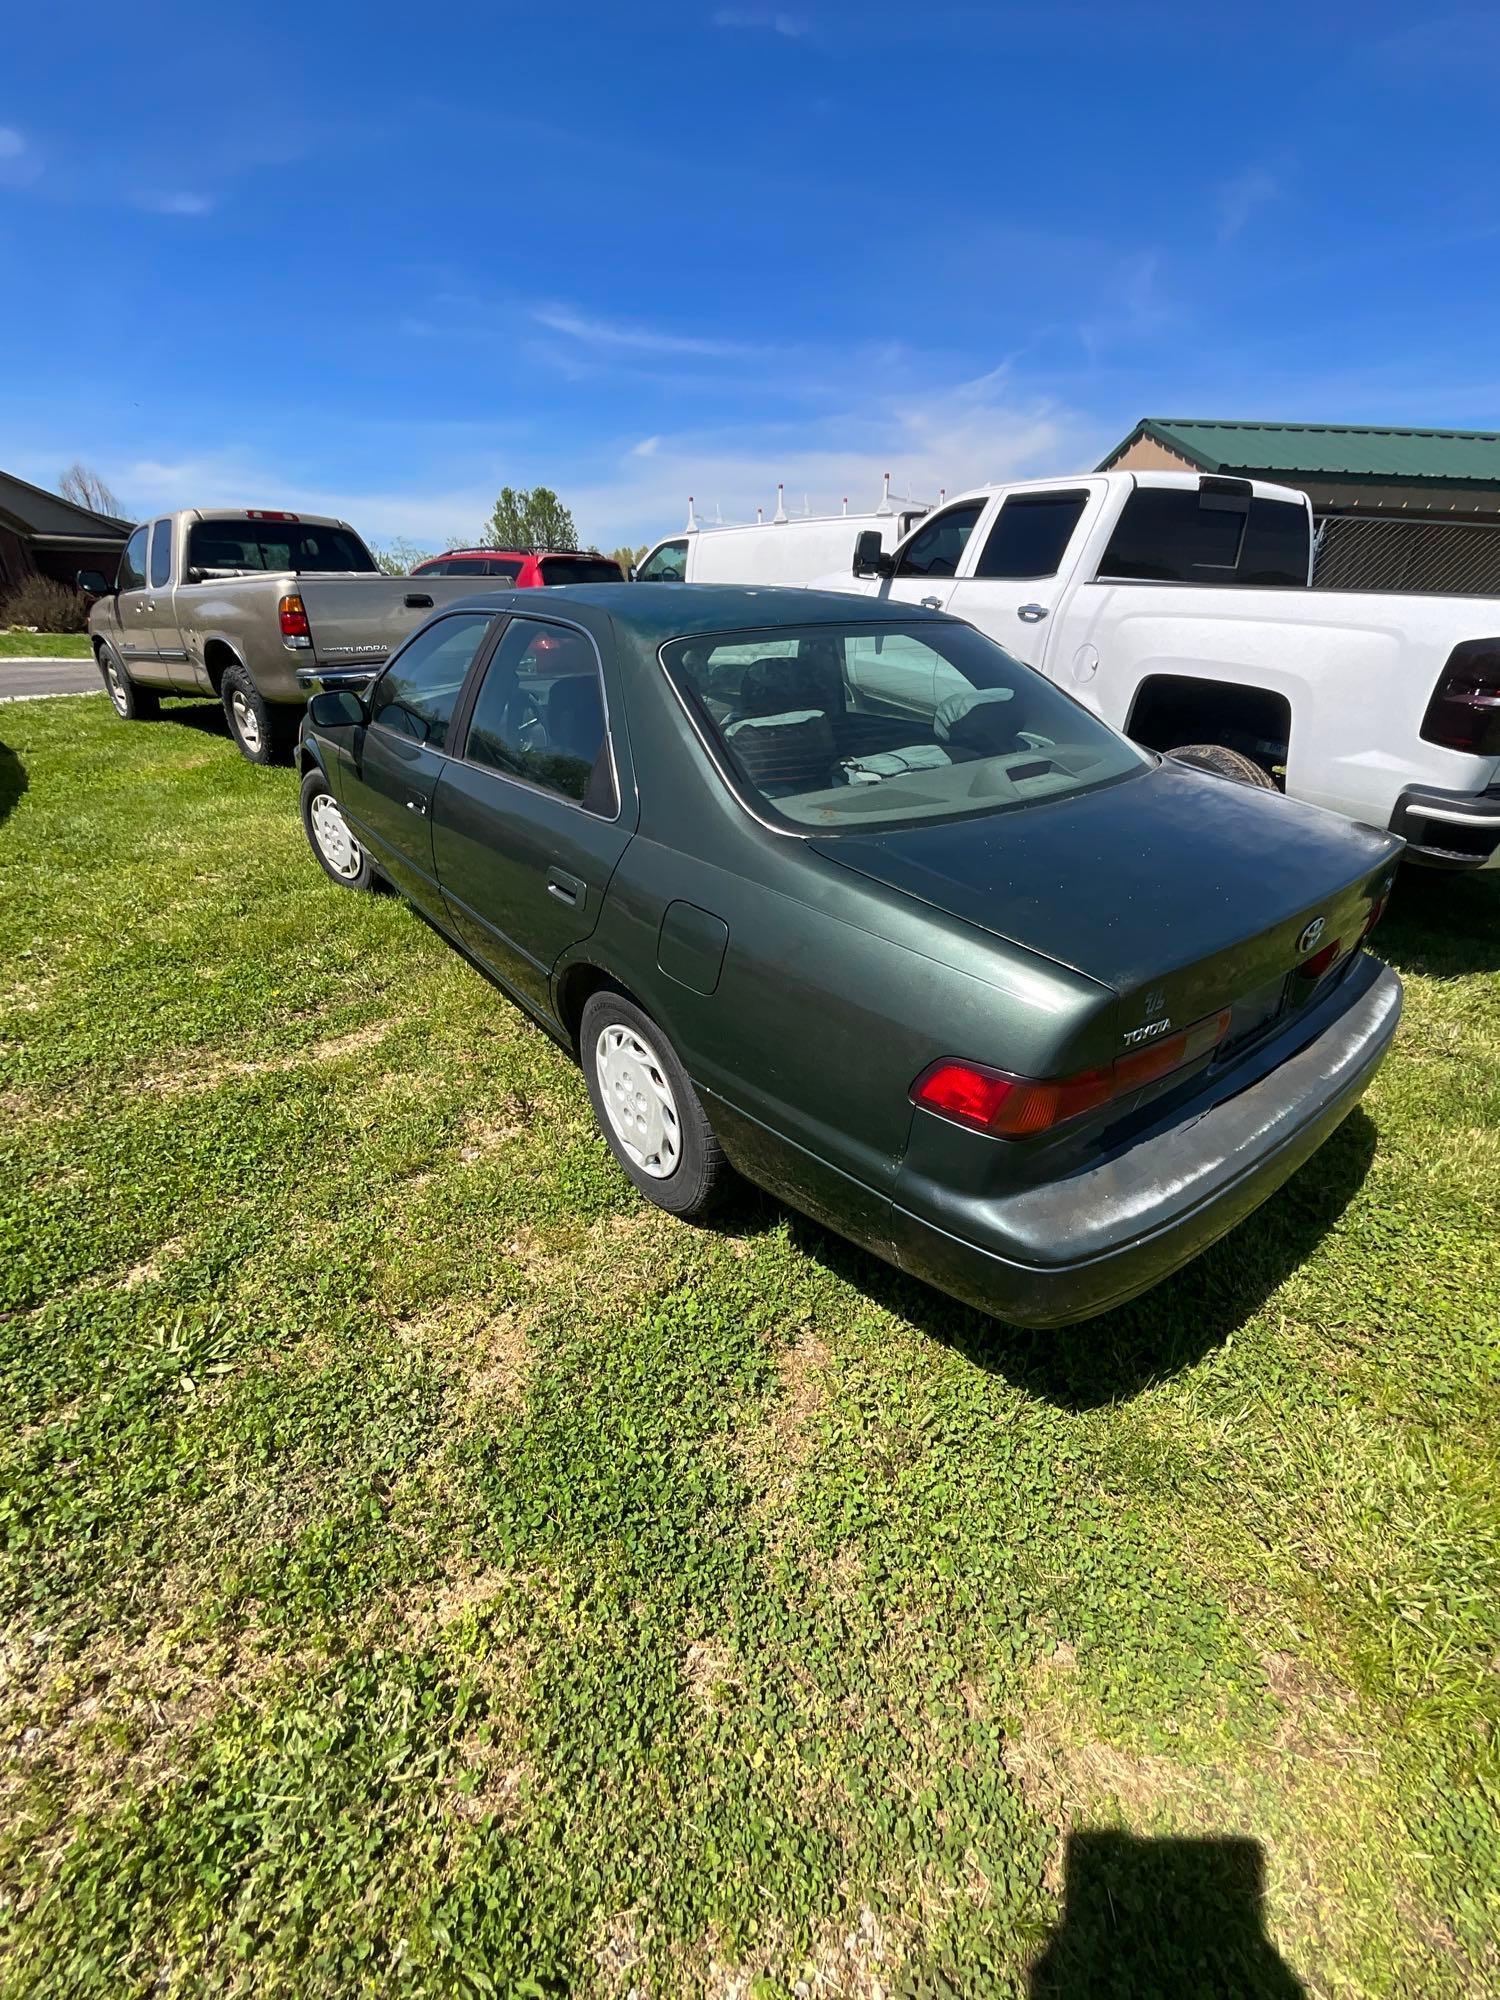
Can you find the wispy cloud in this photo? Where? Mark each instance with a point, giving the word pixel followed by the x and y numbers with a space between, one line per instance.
pixel 19 165
pixel 12 143
pixel 1240 198
pixel 175 201
pixel 647 448
pixel 767 20
pixel 620 336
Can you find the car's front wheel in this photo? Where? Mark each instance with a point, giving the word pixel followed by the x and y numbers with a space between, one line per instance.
pixel 647 1108
pixel 341 856
pixel 131 703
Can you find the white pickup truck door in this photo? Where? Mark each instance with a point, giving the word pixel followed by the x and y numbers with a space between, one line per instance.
pixel 1016 568
pixel 928 561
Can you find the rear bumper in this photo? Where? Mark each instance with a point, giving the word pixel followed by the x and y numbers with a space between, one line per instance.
pixel 1077 1246
pixel 310 680
pixel 1449 829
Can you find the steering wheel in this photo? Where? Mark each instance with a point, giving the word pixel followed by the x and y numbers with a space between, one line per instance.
pixel 525 727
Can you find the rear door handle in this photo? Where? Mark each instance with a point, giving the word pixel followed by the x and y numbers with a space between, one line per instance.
pixel 567 888
pixel 1032 614
pixel 417 806
pixel 932 603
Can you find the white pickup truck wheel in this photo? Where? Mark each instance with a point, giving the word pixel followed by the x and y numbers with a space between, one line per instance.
pixel 1224 763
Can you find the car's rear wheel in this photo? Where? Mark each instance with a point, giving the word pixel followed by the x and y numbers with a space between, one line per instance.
pixel 259 728
pixel 647 1108
pixel 1226 763
pixel 340 855
pixel 131 703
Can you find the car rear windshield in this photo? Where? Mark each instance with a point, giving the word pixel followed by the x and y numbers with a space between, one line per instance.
pixel 296 545
pixel 581 569
pixel 1175 534
pixel 873 726
pixel 507 568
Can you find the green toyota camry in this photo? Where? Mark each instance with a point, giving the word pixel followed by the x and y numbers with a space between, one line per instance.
pixel 840 895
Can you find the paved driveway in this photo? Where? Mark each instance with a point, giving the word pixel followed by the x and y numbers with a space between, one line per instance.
pixel 20 679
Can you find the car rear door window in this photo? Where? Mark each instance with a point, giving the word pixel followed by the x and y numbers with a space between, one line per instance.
pixel 418 692
pixel 539 715
pixel 1175 534
pixel 161 555
pixel 937 547
pixel 131 574
pixel 1031 535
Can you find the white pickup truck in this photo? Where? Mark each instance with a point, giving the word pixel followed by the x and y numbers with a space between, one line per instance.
pixel 1178 607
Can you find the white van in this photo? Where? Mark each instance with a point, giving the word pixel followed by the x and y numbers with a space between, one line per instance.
pixel 784 550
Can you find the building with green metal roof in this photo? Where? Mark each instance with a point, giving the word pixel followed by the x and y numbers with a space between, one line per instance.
pixel 1398 509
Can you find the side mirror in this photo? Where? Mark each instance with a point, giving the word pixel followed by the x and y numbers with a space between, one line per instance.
pixel 91 582
pixel 870 559
pixel 337 708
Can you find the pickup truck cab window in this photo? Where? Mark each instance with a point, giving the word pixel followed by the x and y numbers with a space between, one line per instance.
pixel 1031 535
pixel 668 564
pixel 132 571
pixel 249 544
pixel 418 692
pixel 539 715
pixel 937 548
pixel 161 555
pixel 1167 534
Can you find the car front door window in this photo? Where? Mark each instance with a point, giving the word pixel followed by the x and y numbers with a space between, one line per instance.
pixel 668 564
pixel 418 692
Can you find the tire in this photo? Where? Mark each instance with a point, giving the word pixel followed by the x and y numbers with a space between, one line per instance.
pixel 131 702
pixel 259 729
pixel 634 1077
pixel 1225 763
pixel 340 855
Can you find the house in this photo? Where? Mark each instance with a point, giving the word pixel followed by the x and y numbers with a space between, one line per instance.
pixel 40 531
pixel 1396 509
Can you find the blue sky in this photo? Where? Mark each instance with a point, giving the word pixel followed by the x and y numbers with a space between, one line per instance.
pixel 365 260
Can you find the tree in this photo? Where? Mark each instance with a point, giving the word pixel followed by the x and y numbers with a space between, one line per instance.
pixel 628 557
pixel 531 518
pixel 400 557
pixel 86 488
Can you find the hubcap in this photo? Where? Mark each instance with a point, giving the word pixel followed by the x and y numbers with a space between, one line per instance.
pixel 115 683
pixel 637 1096
pixel 336 843
pixel 246 723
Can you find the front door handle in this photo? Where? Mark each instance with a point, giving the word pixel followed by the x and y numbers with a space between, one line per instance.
pixel 932 603
pixel 1031 614
pixel 417 806
pixel 567 888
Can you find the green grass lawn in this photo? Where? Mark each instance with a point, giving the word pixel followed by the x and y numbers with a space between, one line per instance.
pixel 44 646
pixel 429 1570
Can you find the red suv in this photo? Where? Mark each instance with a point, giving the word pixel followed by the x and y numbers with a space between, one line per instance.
pixel 525 568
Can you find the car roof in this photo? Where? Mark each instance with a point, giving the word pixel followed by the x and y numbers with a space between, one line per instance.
pixel 658 611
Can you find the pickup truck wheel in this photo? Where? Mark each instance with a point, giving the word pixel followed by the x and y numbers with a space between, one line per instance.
pixel 131 703
pixel 340 854
pixel 254 723
pixel 1225 763
pixel 647 1108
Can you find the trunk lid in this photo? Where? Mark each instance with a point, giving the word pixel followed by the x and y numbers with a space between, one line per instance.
pixel 1182 892
pixel 356 621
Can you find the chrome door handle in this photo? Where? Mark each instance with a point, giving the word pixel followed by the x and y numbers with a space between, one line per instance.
pixel 1031 614
pixel 932 603
pixel 417 806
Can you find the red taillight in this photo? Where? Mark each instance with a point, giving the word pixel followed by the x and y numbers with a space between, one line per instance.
pixel 1464 713
pixel 293 617
pixel 1314 968
pixel 1015 1107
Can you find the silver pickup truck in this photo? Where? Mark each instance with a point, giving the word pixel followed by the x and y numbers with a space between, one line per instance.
pixel 256 608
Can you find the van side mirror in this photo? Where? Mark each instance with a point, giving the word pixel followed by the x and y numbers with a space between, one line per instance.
pixel 337 708
pixel 870 558
pixel 91 582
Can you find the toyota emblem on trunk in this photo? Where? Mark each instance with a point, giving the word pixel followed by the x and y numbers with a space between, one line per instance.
pixel 1311 935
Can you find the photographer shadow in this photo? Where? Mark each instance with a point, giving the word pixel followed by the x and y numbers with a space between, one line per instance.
pixel 1169 1919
